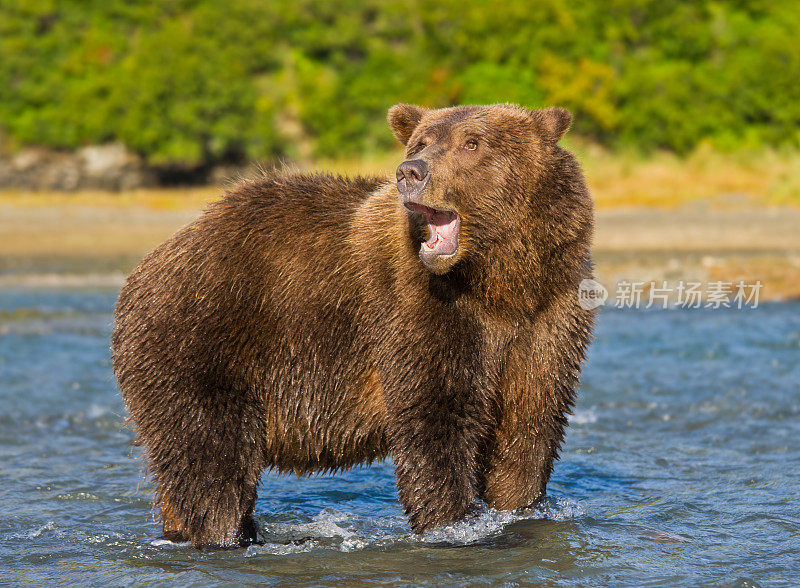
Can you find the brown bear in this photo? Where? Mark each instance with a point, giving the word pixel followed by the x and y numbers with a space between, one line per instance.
pixel 310 323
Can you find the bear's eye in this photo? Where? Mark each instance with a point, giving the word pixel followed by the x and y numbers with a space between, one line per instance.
pixel 471 145
pixel 418 147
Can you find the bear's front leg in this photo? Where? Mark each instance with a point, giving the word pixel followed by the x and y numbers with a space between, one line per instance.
pixel 537 391
pixel 436 433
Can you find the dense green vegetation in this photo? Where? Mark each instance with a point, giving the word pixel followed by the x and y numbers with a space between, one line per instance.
pixel 188 81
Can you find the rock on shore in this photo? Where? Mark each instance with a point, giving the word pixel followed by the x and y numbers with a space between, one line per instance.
pixel 95 167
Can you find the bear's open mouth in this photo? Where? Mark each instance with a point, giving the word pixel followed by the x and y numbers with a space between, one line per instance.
pixel 443 228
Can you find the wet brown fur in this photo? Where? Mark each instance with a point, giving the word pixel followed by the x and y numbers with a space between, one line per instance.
pixel 293 327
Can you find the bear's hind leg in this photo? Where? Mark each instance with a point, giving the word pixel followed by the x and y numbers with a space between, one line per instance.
pixel 206 466
pixel 228 523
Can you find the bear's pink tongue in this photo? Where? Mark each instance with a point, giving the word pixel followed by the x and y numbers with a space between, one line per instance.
pixel 443 226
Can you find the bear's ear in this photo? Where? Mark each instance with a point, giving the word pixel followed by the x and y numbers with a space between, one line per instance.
pixel 553 122
pixel 403 119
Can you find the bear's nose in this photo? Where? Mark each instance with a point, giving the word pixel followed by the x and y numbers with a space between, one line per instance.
pixel 412 177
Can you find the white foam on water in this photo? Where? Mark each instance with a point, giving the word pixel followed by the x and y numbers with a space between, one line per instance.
pixel 583 417
pixel 329 529
pixel 103 538
pixel 161 542
pixel 95 411
pixel 49 528
pixel 488 522
pixel 340 531
pixel 280 549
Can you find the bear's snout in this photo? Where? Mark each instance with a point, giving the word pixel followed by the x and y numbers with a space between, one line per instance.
pixel 412 177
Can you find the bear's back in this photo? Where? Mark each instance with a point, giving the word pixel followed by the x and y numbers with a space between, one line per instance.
pixel 249 255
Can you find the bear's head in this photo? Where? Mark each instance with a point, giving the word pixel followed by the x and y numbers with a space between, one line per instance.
pixel 473 175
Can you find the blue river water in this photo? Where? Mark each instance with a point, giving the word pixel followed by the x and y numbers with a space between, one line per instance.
pixel 681 468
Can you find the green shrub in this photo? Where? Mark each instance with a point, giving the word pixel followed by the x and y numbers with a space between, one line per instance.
pixel 191 81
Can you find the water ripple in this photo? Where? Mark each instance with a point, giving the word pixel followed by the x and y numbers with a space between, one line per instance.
pixel 679 469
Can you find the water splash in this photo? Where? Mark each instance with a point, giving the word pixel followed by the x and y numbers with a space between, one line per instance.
pixel 489 522
pixel 583 417
pixel 341 531
pixel 329 529
pixel 48 529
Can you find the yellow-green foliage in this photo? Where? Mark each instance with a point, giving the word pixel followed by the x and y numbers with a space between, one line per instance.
pixel 189 81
